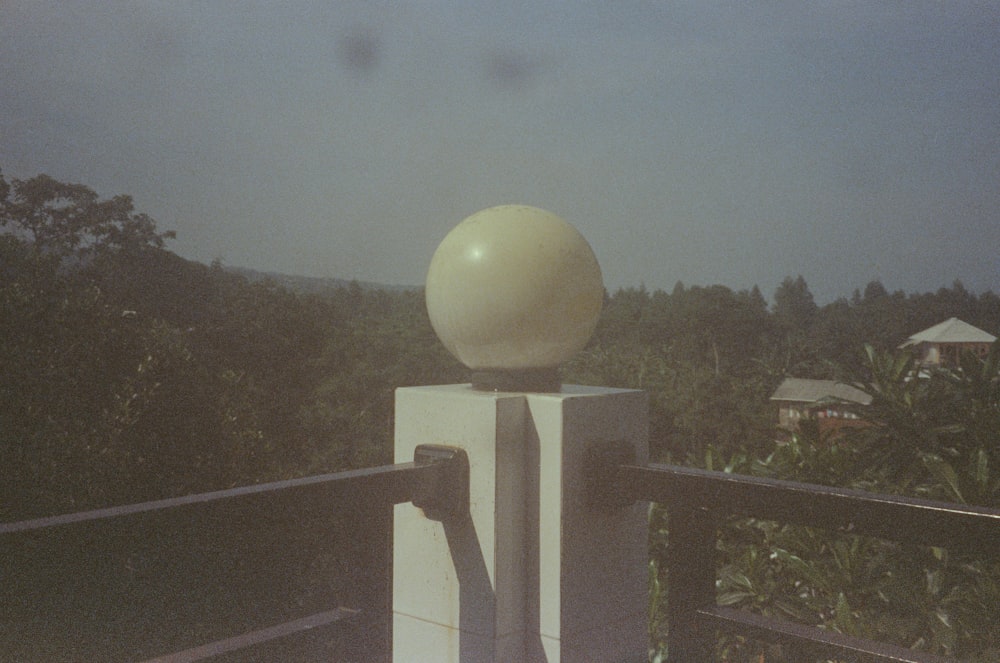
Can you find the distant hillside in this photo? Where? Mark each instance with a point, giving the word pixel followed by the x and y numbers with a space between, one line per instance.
pixel 312 284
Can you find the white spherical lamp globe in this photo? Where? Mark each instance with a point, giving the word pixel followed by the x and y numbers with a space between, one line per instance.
pixel 514 288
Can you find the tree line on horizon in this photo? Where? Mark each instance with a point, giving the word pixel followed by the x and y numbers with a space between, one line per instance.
pixel 128 373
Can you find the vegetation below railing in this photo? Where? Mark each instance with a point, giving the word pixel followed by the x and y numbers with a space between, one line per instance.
pixel 146 580
pixel 243 570
pixel 935 437
pixel 874 591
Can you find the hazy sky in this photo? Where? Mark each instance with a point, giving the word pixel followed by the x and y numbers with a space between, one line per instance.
pixel 733 143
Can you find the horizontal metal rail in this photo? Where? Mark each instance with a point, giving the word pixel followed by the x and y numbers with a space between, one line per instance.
pixel 436 481
pixel 435 469
pixel 395 482
pixel 257 637
pixel 810 641
pixel 698 500
pixel 903 519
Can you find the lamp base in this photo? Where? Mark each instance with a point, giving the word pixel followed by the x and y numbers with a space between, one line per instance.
pixel 538 380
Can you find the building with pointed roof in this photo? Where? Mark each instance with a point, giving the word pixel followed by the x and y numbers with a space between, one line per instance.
pixel 834 404
pixel 829 402
pixel 943 343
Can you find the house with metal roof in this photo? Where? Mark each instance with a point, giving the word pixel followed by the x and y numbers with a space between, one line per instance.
pixel 943 343
pixel 829 402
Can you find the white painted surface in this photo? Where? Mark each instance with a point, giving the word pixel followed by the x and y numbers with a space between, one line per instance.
pixel 533 574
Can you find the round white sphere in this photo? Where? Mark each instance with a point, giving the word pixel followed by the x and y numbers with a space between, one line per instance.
pixel 514 287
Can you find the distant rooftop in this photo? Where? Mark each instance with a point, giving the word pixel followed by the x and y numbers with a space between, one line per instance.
pixel 951 330
pixel 801 390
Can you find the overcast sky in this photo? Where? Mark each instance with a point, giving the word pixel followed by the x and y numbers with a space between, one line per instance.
pixel 733 143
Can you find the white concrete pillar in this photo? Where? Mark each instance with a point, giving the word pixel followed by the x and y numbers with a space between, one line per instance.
pixel 533 574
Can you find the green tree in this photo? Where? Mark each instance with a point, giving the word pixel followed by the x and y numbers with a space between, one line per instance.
pixel 932 430
pixel 102 399
pixel 794 305
pixel 795 312
pixel 68 220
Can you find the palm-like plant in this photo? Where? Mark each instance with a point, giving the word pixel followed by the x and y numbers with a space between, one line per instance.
pixel 932 433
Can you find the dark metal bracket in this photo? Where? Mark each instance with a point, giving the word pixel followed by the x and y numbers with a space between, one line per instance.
pixel 443 492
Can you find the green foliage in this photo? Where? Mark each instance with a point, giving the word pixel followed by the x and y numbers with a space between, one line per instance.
pixel 128 373
pixel 693 351
pixel 925 598
pixel 68 220
pixel 929 437
pixel 933 431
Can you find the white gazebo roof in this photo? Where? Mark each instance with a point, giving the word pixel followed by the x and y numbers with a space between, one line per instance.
pixel 951 330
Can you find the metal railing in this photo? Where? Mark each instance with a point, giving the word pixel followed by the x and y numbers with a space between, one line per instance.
pixel 78 557
pixel 437 481
pixel 697 501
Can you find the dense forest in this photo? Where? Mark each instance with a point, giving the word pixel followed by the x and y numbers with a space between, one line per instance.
pixel 128 373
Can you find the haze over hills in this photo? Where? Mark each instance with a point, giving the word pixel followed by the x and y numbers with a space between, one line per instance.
pixel 313 284
pixel 731 143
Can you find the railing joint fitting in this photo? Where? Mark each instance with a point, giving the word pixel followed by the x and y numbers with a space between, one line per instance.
pixel 443 493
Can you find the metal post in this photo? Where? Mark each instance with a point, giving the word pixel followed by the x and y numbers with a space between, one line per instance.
pixel 690 582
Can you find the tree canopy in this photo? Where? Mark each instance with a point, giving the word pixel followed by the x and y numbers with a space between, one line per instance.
pixel 69 220
pixel 128 373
